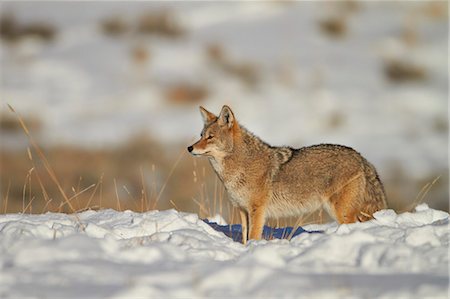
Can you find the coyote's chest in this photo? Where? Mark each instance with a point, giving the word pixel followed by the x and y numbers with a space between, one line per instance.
pixel 234 181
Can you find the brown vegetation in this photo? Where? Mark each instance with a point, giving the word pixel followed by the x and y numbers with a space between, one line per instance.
pixel 185 93
pixel 334 26
pixel 401 71
pixel 114 26
pixel 11 30
pixel 247 72
pixel 161 23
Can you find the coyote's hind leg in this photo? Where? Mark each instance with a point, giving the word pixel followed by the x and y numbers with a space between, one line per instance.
pixel 346 202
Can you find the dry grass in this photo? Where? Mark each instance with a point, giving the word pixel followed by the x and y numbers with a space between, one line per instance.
pixel 400 71
pixel 334 26
pixel 11 30
pixel 114 26
pixel 185 93
pixel 334 23
pixel 163 23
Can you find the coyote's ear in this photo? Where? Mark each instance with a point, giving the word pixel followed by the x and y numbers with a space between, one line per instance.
pixel 226 117
pixel 207 116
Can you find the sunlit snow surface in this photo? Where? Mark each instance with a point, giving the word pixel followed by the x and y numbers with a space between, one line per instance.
pixel 109 254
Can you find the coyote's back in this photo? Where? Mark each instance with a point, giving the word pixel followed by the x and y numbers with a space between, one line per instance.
pixel 265 181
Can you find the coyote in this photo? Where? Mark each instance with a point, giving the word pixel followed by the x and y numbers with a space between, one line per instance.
pixel 265 181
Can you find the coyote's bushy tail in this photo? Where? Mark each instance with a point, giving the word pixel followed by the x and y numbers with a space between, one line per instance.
pixel 374 195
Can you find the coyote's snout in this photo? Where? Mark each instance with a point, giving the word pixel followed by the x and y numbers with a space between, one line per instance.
pixel 264 181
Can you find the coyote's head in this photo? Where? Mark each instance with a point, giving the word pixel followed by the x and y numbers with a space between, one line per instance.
pixel 217 135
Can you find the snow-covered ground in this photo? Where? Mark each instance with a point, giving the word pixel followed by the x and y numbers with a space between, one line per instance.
pixel 168 254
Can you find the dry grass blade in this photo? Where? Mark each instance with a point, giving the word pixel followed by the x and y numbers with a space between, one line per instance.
pixel 119 208
pixel 81 192
pixel 24 190
pixel 29 205
pixel 421 195
pixel 201 206
pixel 174 205
pixel 41 185
pixel 44 191
pixel 168 178
pixel 430 185
pixel 44 209
pixel 7 196
pixel 295 227
pixel 144 198
pixel 43 159
pixel 87 206
pixel 300 222
pixel 131 197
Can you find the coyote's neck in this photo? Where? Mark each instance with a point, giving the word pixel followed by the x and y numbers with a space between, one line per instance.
pixel 250 144
pixel 247 149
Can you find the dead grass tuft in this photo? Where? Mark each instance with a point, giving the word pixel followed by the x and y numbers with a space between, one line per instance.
pixel 186 93
pixel 398 71
pixel 334 26
pixel 114 26
pixel 162 23
pixel 11 30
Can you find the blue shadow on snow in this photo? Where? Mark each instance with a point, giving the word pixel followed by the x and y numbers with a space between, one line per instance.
pixel 235 231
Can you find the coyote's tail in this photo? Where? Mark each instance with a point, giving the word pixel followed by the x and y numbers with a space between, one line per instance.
pixel 374 195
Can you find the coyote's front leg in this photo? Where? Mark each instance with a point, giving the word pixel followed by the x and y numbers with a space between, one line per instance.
pixel 256 220
pixel 244 224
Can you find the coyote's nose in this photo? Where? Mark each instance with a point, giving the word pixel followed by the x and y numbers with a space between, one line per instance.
pixel 190 148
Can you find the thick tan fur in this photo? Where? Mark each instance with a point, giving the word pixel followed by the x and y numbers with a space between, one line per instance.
pixel 269 182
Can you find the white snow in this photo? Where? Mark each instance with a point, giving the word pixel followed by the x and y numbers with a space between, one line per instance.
pixel 110 254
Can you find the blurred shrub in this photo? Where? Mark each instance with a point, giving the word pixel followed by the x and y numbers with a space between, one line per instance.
pixel 245 71
pixel 160 23
pixel 436 9
pixel 185 93
pixel 140 54
pixel 440 125
pixel 11 30
pixel 335 23
pixel 401 71
pixel 114 26
pixel 335 26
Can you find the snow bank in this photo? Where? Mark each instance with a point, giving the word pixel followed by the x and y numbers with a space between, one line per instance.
pixel 172 254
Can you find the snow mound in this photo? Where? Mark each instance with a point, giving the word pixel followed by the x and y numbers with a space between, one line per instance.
pixel 110 254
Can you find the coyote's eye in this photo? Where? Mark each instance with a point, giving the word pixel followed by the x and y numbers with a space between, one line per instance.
pixel 210 137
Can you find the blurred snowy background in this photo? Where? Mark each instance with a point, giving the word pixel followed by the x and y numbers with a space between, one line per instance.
pixel 111 91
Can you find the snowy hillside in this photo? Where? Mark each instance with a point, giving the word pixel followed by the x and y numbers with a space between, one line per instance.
pixel 171 254
pixel 87 90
